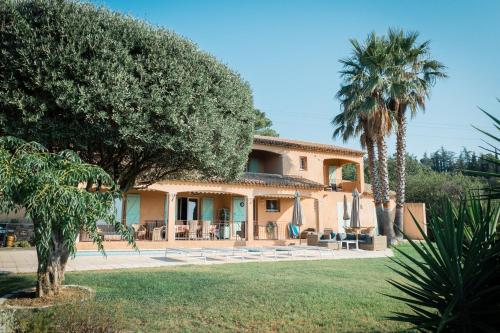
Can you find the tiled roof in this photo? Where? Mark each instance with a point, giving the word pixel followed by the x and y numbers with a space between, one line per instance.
pixel 264 179
pixel 304 145
pixel 279 180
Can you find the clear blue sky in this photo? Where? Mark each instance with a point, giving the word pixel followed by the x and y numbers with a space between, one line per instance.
pixel 288 51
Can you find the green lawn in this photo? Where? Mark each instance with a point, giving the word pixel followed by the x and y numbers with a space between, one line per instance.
pixel 300 296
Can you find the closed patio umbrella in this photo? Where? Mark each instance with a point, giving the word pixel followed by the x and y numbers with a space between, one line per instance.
pixel 297 217
pixel 355 222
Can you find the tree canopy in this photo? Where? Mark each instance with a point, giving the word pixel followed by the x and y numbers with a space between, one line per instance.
pixel 263 124
pixel 139 101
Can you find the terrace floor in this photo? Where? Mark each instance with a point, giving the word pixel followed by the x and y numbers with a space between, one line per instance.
pixel 25 260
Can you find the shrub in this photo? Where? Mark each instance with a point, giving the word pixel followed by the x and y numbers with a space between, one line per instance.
pixel 453 286
pixel 22 244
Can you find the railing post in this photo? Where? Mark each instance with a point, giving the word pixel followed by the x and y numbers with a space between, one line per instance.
pixel 249 221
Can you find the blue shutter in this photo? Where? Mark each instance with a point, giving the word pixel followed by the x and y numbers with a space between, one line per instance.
pixel 117 204
pixel 133 213
pixel 239 209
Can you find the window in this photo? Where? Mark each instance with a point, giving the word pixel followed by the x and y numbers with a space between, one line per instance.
pixel 303 163
pixel 187 209
pixel 272 205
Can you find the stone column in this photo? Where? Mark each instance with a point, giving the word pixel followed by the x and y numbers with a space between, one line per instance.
pixel 249 227
pixel 172 203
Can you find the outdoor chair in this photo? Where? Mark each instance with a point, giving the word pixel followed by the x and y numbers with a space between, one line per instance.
pixel 139 231
pixel 373 243
pixel 327 233
pixel 108 233
pixel 241 233
pixel 205 229
pixel 159 233
pixel 303 234
pixel 193 229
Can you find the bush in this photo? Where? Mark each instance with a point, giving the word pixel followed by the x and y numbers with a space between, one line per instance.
pixel 22 244
pixel 453 286
pixel 433 188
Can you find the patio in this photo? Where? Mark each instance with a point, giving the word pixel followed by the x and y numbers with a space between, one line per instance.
pixel 25 261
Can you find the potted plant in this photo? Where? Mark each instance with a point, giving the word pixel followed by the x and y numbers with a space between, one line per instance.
pixel 270 228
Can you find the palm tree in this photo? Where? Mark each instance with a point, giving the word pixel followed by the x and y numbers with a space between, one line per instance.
pixel 410 75
pixel 364 112
pixel 348 125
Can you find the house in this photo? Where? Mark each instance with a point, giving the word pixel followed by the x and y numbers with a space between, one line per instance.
pixel 255 209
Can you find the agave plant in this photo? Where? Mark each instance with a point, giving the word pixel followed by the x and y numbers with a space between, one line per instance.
pixel 494 190
pixel 454 283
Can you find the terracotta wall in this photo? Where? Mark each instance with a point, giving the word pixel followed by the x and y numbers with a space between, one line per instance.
pixel 315 163
pixel 409 227
pixel 286 211
pixel 152 206
pixel 329 212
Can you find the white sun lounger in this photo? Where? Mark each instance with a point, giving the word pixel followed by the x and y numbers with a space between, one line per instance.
pixel 189 253
pixel 316 249
pixel 227 253
pixel 261 252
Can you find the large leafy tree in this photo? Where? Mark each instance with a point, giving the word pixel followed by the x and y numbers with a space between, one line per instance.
pixel 139 101
pixel 411 73
pixel 61 195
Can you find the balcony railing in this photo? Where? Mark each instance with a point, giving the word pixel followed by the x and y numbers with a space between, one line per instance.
pixel 210 230
pixel 271 230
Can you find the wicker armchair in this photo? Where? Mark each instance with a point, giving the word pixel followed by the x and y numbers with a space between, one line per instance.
pixel 139 231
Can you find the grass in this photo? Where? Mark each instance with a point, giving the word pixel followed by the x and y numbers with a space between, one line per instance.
pixel 299 296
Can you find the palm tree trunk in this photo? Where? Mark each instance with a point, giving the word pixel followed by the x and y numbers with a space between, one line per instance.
pixel 383 175
pixel 370 147
pixel 400 170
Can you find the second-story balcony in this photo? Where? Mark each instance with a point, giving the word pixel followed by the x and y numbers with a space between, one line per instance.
pixel 262 161
pixel 333 175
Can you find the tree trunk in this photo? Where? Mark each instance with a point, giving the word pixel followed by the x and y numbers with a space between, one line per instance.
pixel 383 175
pixel 51 266
pixel 400 170
pixel 375 184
